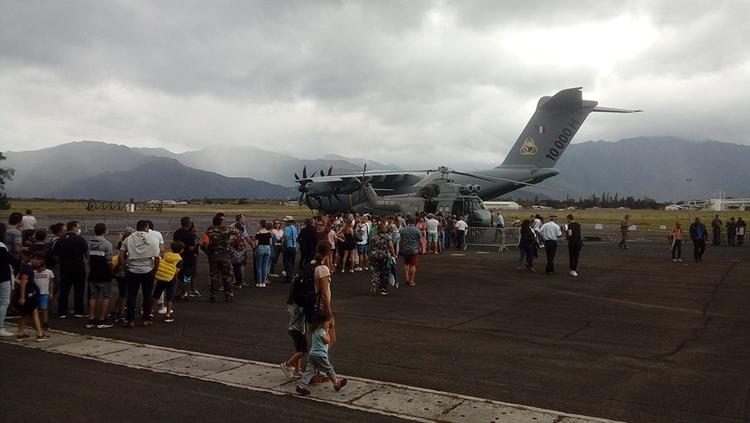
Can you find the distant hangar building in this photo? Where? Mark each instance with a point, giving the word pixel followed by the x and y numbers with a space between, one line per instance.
pixel 503 205
pixel 722 204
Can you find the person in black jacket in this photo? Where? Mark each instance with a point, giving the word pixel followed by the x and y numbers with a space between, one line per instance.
pixel 71 252
pixel 699 235
pixel 527 244
pixel 307 241
pixel 7 262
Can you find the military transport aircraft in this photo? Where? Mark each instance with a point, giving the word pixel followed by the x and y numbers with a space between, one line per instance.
pixel 531 160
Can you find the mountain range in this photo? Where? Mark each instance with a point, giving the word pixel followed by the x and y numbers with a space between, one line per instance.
pixel 656 167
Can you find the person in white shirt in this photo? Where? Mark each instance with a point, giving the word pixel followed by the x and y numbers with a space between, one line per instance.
pixel 461 227
pixel 432 233
pixel 28 221
pixel 550 232
pixel 362 230
pixel 156 236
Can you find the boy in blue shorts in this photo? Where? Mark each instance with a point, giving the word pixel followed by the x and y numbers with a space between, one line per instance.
pixel 44 279
pixel 26 300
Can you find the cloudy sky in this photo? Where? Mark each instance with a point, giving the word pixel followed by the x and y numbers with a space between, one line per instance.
pixel 409 82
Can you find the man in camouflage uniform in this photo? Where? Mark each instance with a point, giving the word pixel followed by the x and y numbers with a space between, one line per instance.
pixel 624 225
pixel 220 258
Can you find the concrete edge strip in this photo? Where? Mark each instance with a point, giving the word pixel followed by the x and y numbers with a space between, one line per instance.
pixel 274 390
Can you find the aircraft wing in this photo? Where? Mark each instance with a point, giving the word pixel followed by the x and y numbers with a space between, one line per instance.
pixel 614 110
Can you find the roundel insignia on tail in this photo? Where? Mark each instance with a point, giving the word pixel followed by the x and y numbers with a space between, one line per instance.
pixel 529 147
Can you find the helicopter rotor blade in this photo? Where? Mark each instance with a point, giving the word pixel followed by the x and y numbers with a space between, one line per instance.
pixel 321 173
pixel 304 172
pixel 330 169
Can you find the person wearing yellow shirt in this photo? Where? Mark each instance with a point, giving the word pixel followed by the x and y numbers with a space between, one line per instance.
pixel 166 279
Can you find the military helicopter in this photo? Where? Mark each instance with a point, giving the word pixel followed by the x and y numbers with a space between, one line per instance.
pixel 436 193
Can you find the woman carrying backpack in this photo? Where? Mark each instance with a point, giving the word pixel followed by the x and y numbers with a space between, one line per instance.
pixel 381 248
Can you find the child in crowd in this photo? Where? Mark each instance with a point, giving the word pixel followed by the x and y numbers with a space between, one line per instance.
pixel 166 279
pixel 26 300
pixel 44 279
pixel 322 337
pixel 292 367
pixel 118 270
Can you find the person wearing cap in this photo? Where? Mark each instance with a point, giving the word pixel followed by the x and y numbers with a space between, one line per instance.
pixel 550 232
pixel 289 243
pixel 624 225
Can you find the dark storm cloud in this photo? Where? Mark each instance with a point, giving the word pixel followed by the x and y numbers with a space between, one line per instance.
pixel 414 77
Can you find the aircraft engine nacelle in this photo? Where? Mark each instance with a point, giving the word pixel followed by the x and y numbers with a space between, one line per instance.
pixel 469 189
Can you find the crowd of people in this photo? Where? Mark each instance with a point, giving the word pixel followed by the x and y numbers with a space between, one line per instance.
pixel 40 265
pixel 37 265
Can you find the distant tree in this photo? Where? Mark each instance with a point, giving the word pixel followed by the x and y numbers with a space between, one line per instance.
pixel 6 174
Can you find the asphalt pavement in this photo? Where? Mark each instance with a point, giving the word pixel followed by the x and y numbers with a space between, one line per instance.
pixel 636 337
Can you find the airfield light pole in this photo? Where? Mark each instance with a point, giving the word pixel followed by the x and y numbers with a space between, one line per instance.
pixel 690 194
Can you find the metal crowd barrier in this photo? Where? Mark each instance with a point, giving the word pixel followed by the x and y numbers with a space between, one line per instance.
pixel 503 238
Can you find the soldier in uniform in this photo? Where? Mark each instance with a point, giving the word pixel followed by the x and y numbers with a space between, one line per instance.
pixel 731 232
pixel 716 229
pixel 624 224
pixel 219 237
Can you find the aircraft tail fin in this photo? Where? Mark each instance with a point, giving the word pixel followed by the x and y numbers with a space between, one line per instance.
pixel 551 128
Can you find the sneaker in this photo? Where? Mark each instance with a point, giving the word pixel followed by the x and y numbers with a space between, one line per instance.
pixel 103 325
pixel 383 292
pixel 302 390
pixel 679 260
pixel 79 315
pixel 357 269
pixel 283 273
pixel 341 384
pixel 573 273
pixel 22 337
pixel 260 285
pixel 91 324
pixel 4 332
pixel 163 310
pixel 194 293
pixel 62 316
pixel 674 260
pixel 297 374
pixel 287 370
pixel 351 270
pixel 273 275
pixel 43 337
pixel 169 318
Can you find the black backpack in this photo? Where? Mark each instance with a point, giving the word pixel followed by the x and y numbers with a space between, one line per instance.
pixel 303 291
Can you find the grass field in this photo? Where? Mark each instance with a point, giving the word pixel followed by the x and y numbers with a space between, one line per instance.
pixel 648 219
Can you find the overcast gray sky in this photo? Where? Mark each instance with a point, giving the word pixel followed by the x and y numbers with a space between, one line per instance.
pixel 409 82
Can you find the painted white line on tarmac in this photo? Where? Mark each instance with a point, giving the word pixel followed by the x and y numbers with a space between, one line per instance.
pixel 372 396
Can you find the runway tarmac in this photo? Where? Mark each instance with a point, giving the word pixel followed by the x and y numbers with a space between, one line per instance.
pixel 634 338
